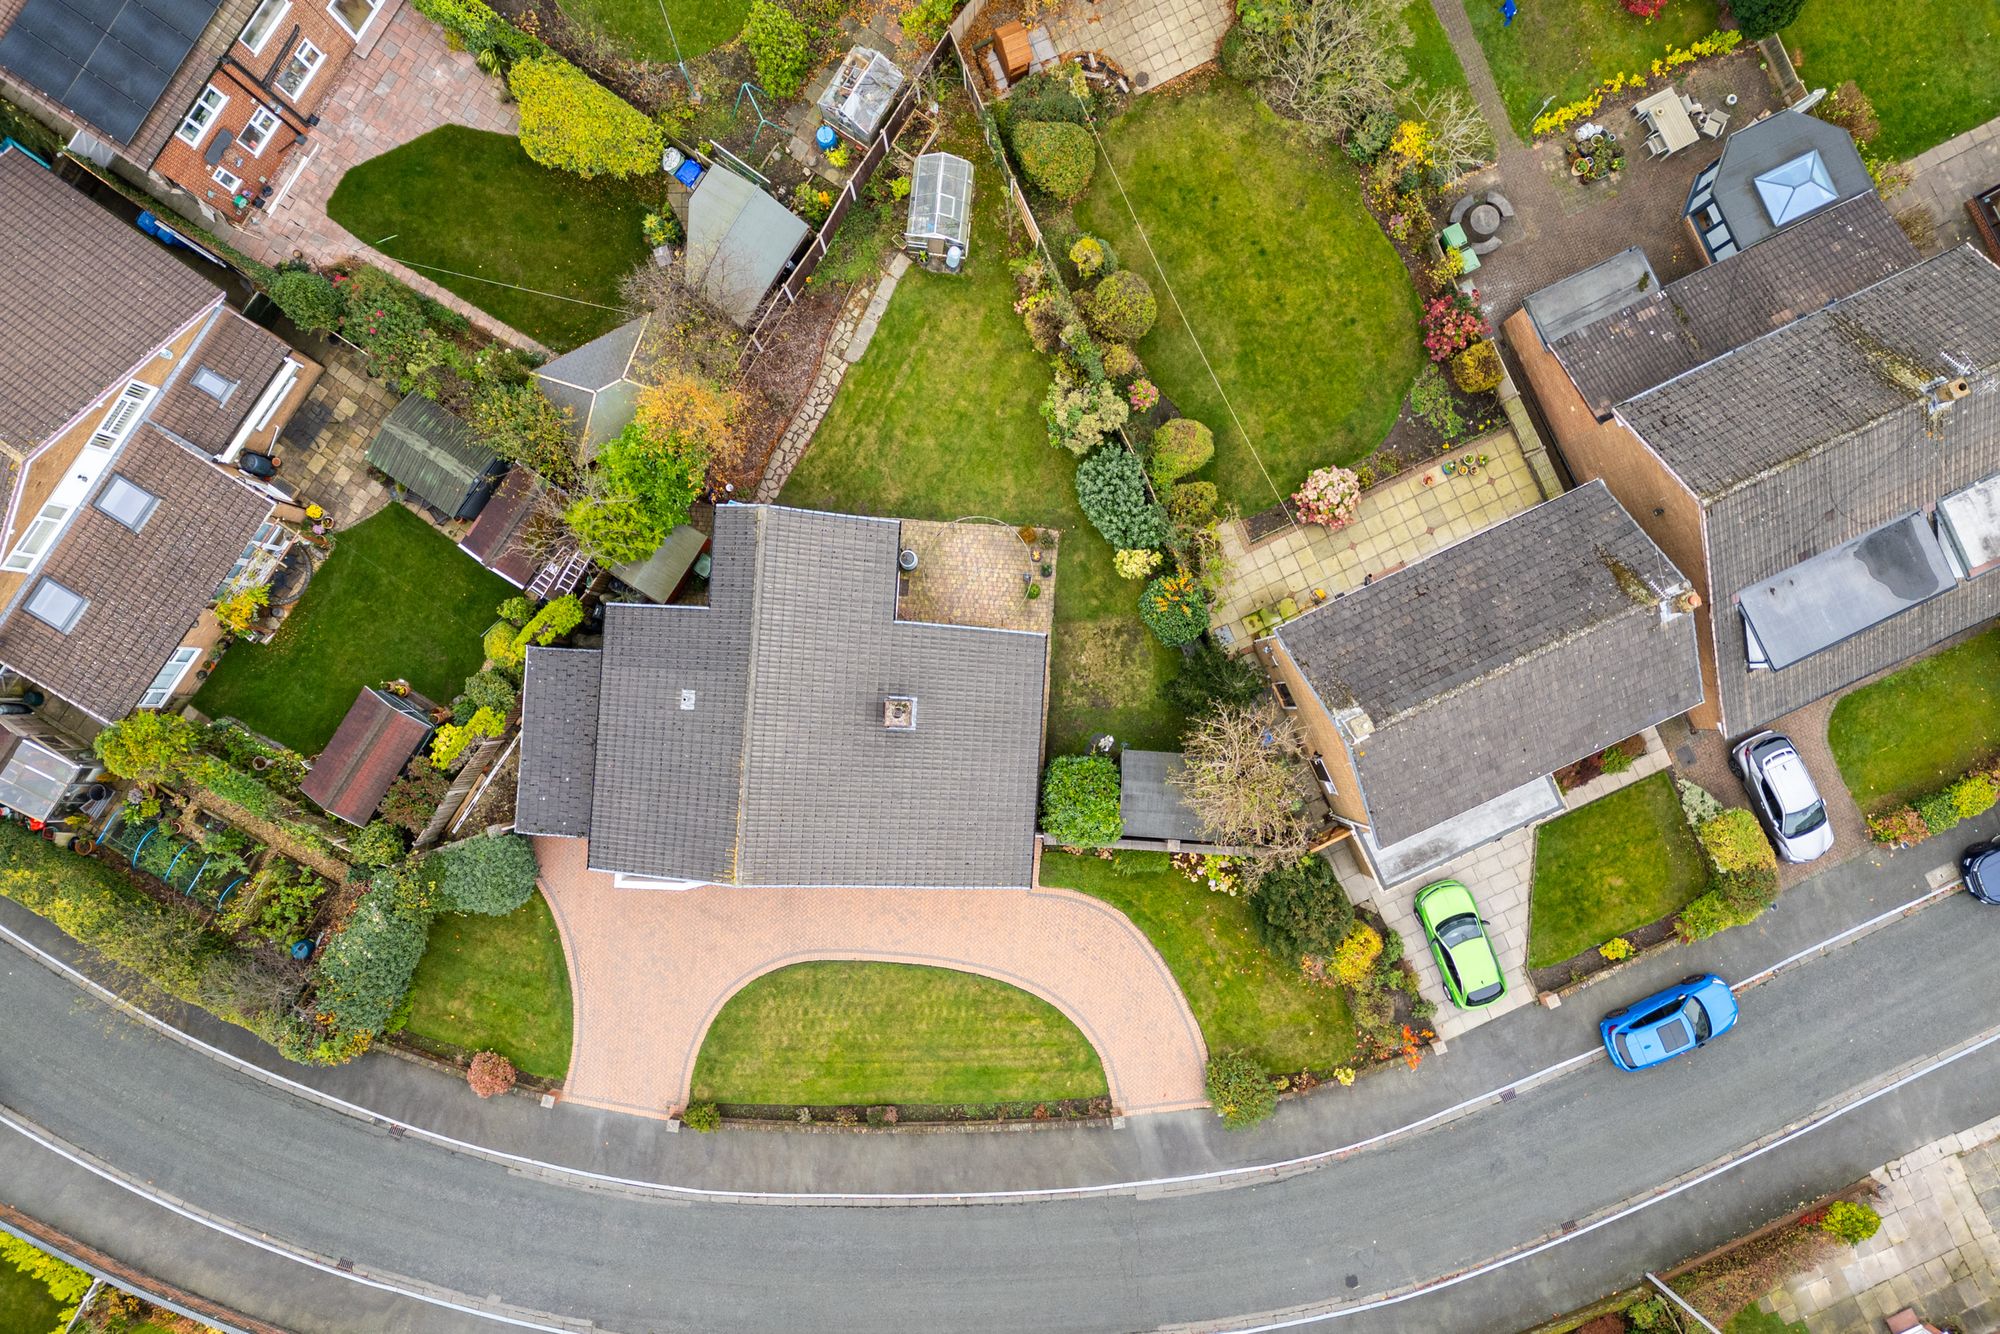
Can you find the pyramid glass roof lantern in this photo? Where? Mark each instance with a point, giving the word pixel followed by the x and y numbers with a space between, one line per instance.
pixel 1797 188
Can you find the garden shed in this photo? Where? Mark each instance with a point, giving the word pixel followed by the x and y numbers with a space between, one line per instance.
pixel 739 240
pixel 373 743
pixel 661 574
pixel 863 90
pixel 940 207
pixel 436 457
pixel 494 538
pixel 594 382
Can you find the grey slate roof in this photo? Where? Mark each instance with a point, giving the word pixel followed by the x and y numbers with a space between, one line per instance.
pixel 84 298
pixel 1500 659
pixel 1771 142
pixel 594 382
pixel 1809 438
pixel 778 770
pixel 738 239
pixel 1649 338
pixel 437 456
pixel 145 589
pixel 558 741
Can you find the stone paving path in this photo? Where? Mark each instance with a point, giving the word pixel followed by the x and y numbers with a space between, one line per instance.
pixel 331 469
pixel 409 84
pixel 1942 179
pixel 1400 521
pixel 1154 41
pixel 1938 1250
pixel 649 969
pixel 1501 876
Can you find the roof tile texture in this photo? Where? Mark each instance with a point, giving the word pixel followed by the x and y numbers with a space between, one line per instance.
pixel 370 747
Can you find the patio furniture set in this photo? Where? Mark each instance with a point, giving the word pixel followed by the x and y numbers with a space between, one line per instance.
pixel 1674 121
pixel 1474 229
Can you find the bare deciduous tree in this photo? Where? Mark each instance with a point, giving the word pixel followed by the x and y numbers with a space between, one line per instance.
pixel 1460 136
pixel 1242 775
pixel 1335 63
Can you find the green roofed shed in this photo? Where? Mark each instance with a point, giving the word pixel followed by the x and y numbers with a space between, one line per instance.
pixel 436 457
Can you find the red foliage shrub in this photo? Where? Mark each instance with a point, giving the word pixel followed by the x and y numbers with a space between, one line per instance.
pixel 1645 9
pixel 491 1074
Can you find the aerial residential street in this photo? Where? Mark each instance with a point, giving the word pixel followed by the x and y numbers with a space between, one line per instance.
pixel 1415 1209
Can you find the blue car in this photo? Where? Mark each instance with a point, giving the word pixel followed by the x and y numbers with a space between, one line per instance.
pixel 1692 1013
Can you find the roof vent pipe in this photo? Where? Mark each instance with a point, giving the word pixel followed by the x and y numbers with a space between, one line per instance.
pixel 1953 390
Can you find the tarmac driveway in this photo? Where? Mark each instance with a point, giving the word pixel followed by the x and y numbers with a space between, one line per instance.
pixel 649 970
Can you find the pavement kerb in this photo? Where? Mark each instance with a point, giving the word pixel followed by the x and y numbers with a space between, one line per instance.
pixel 1220 1178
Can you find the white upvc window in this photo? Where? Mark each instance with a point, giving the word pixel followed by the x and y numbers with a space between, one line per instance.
pixel 229 180
pixel 263 23
pixel 194 126
pixel 257 133
pixel 91 461
pixel 170 676
pixel 354 16
pixel 1325 775
pixel 299 70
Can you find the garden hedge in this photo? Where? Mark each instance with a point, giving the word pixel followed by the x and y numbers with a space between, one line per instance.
pixel 1111 489
pixel 781 46
pixel 1057 157
pixel 572 123
pixel 1179 447
pixel 1122 307
pixel 492 874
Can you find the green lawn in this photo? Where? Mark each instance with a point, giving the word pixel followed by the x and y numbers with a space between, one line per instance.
pixel 698 25
pixel 25 1305
pixel 395 599
pixel 1242 996
pixel 1565 47
pixel 1610 867
pixel 1299 301
pixel 942 420
pixel 471 202
pixel 882 1032
pixel 497 984
pixel 1915 731
pixel 1431 59
pixel 1932 69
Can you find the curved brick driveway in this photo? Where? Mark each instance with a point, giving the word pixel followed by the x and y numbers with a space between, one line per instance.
pixel 649 969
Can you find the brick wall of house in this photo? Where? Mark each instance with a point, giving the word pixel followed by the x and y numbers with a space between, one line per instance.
pixel 249 79
pixel 1322 735
pixel 1650 492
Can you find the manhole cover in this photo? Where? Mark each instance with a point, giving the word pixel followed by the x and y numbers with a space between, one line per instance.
pixel 1354 1280
pixel 1141 79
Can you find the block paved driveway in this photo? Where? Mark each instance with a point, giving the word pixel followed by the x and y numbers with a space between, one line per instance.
pixel 649 969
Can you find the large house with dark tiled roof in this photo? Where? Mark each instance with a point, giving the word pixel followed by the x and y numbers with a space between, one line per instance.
pixel 793 731
pixel 1810 428
pixel 126 388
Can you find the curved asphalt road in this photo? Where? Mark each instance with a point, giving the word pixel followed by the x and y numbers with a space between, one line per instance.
pixel 1432 1204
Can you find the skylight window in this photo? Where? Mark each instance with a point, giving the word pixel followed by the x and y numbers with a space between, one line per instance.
pixel 57 605
pixel 1796 189
pixel 131 505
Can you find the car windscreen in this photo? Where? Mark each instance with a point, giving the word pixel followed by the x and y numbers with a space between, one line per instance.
pixel 1805 821
pixel 1457 930
pixel 1697 1014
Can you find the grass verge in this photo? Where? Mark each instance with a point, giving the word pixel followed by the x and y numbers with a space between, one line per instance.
pixel 1611 867
pixel 698 26
pixel 1916 730
pixel 1242 996
pixel 851 1033
pixel 395 599
pixel 468 210
pixel 496 984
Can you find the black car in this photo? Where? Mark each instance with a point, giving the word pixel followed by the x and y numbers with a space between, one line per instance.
pixel 1981 865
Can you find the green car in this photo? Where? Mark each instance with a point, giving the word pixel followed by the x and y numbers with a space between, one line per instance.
pixel 1458 942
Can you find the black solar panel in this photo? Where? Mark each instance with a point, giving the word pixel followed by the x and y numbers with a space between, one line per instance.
pixel 106 60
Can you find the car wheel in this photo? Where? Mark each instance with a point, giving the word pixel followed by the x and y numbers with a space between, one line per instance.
pixel 1617 1014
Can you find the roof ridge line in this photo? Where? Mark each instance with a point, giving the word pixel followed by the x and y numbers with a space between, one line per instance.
pixel 749 693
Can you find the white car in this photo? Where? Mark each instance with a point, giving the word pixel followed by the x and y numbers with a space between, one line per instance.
pixel 1783 795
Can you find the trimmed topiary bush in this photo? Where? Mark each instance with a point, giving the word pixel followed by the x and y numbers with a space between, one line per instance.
pixel 1174 609
pixel 1111 488
pixel 1850 1222
pixel 1179 447
pixel 1121 362
pixel 1477 369
pixel 491 1074
pixel 571 122
pixel 1122 307
pixel 1057 157
pixel 492 874
pixel 1192 503
pixel 1239 1088
pixel 1080 801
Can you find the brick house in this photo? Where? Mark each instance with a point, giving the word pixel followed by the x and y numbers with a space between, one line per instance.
pixel 1437 701
pixel 125 386
pixel 215 100
pixel 1809 427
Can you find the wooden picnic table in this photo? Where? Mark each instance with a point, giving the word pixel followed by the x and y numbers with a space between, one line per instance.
pixel 1669 119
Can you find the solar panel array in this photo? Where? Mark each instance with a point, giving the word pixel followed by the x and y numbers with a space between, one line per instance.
pixel 106 60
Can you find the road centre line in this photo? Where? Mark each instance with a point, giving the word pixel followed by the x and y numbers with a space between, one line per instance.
pixel 1211 1178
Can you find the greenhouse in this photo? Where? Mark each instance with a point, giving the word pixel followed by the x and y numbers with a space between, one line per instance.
pixel 863 89
pixel 940 224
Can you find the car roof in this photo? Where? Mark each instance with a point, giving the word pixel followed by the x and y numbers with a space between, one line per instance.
pixel 1790 780
pixel 1447 898
pixel 1476 964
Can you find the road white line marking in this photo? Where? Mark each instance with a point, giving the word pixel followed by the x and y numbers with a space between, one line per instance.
pixel 1153 1184
pixel 1720 1169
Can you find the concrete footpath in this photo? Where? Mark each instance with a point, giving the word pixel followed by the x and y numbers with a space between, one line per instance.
pixel 1147 1147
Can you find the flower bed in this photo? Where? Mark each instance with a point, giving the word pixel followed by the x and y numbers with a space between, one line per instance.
pixel 1561 118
